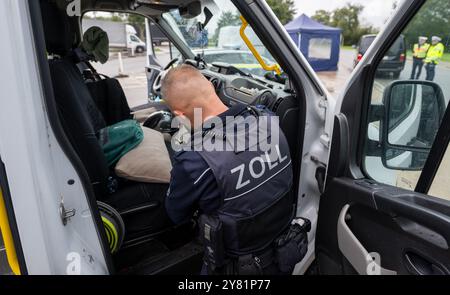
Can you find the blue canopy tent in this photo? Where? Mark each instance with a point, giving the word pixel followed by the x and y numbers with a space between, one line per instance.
pixel 320 44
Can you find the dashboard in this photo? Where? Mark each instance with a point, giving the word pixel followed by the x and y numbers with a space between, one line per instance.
pixel 234 86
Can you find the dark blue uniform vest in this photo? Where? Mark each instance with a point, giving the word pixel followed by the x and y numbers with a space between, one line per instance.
pixel 257 205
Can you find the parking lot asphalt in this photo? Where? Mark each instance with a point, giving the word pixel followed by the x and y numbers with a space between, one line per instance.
pixel 335 81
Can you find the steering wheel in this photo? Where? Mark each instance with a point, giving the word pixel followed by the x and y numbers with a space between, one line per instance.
pixel 161 121
pixel 171 63
pixel 158 81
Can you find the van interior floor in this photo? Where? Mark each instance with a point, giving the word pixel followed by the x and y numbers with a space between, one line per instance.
pixel 153 257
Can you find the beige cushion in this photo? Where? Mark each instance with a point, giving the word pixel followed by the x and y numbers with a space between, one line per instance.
pixel 148 162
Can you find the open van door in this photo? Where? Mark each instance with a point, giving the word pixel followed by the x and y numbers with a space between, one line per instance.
pixel 385 208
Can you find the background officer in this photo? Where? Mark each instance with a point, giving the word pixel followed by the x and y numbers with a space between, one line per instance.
pixel 244 198
pixel 434 55
pixel 419 53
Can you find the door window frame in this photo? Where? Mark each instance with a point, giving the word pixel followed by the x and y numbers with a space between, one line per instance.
pixel 426 176
pixel 435 155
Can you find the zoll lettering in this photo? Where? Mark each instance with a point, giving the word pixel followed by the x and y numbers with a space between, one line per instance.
pixel 257 168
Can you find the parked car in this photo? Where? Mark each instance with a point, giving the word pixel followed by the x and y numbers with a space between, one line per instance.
pixel 241 59
pixel 393 62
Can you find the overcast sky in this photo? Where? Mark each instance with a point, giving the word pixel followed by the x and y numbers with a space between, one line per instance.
pixel 376 12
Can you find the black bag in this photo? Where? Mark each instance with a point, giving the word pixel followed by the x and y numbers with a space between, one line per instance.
pixel 291 246
pixel 110 100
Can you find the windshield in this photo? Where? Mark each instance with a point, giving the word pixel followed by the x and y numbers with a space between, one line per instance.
pixel 220 40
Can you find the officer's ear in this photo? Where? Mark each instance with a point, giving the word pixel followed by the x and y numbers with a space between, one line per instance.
pixel 178 113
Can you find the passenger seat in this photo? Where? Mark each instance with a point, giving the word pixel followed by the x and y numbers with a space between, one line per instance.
pixel 141 205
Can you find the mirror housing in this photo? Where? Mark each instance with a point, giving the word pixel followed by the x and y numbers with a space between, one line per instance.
pixel 412 113
pixel 191 10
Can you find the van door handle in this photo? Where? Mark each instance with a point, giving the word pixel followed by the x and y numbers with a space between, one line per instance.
pixel 354 251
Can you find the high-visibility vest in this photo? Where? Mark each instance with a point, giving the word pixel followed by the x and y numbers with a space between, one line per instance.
pixel 420 51
pixel 435 53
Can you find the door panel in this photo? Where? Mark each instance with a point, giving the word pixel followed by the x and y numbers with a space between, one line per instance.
pixel 409 231
pixel 365 226
pixel 352 249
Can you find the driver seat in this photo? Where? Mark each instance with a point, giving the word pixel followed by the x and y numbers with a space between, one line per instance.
pixel 141 205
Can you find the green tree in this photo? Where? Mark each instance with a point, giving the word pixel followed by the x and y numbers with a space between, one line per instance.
pixel 346 18
pixel 138 22
pixel 323 17
pixel 283 9
pixel 118 17
pixel 433 19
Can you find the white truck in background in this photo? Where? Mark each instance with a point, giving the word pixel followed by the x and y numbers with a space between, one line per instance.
pixel 121 35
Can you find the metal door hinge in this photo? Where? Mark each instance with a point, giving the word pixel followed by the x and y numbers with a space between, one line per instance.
pixel 325 140
pixel 316 161
pixel 65 214
pixel 323 103
pixel 321 172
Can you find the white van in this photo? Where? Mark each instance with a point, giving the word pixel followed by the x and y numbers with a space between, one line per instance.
pixel 352 154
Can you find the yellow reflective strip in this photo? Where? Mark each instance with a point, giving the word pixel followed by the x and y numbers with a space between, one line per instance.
pixel 107 231
pixel 255 52
pixel 7 238
pixel 115 236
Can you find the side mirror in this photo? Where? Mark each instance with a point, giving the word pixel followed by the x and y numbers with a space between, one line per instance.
pixel 413 112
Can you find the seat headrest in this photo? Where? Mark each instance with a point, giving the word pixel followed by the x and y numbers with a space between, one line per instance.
pixel 59 34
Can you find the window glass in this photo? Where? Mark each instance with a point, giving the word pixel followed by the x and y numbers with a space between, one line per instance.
pixel 128 60
pixel 440 187
pixel 409 97
pixel 319 48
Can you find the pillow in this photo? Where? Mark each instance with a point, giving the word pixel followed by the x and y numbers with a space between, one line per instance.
pixel 148 162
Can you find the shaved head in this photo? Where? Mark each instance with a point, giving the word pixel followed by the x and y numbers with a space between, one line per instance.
pixel 184 89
